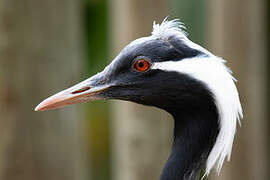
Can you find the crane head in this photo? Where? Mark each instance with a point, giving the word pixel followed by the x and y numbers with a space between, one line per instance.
pixel 168 71
pixel 133 75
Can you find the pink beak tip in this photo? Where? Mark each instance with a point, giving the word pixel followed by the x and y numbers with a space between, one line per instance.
pixel 44 105
pixel 39 108
pixel 36 109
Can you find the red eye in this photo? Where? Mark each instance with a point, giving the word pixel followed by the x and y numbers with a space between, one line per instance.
pixel 141 65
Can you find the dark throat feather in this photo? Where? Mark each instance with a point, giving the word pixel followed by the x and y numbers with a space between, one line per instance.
pixel 196 128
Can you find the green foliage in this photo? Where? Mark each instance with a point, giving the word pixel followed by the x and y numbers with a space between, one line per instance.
pixel 97 116
pixel 193 14
pixel 96 35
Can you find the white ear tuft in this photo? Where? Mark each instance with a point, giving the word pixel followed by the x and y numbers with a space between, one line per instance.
pixel 213 72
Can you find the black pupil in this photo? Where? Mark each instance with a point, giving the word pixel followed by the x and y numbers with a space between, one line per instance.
pixel 141 64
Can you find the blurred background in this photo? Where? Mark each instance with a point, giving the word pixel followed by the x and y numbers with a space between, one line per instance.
pixel 47 46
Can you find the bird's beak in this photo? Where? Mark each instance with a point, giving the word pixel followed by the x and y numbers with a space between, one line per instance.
pixel 85 91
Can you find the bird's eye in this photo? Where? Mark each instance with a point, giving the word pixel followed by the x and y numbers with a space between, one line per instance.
pixel 141 65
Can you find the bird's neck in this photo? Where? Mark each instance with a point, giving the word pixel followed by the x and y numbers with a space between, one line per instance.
pixel 195 133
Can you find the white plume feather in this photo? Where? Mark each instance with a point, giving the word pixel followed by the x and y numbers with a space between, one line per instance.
pixel 213 72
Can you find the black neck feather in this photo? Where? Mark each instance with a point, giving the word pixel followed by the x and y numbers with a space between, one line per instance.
pixel 193 107
pixel 195 130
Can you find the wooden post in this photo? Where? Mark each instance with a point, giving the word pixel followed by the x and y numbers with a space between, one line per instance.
pixel 39 55
pixel 237 33
pixel 141 135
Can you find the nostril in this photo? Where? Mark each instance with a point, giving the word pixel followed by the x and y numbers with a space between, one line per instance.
pixel 81 90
